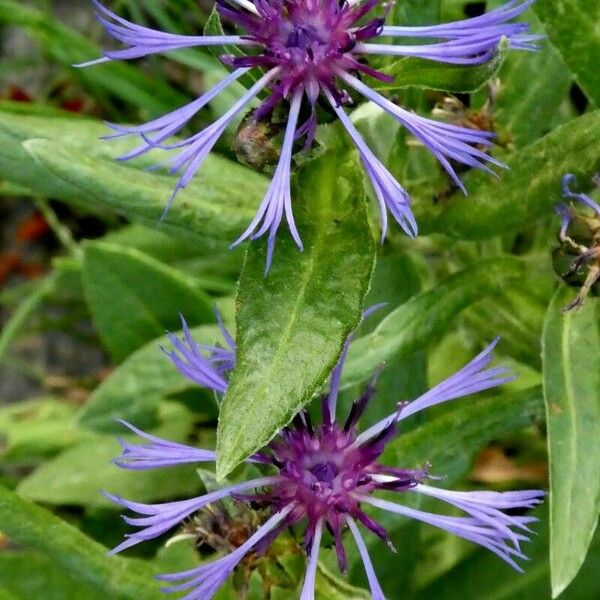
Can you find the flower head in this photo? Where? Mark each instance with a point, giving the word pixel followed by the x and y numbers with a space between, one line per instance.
pixel 586 250
pixel 307 51
pixel 328 476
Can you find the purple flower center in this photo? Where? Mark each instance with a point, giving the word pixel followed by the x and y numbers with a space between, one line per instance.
pixel 309 40
pixel 322 476
pixel 325 471
pixel 321 470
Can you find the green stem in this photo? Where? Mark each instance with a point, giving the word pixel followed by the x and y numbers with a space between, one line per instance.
pixel 61 231
pixel 23 312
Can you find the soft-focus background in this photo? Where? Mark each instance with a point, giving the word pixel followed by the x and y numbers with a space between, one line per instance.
pixel 90 279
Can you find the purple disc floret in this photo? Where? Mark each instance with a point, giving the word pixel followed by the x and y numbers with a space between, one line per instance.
pixel 302 52
pixel 329 476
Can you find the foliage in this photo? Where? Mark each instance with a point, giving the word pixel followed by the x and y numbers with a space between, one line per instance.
pixel 481 267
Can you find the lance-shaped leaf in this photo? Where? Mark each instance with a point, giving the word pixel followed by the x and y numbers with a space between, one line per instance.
pixel 571 360
pixel 66 46
pixel 426 316
pixel 427 74
pixel 134 298
pixel 215 207
pixel 25 574
pixel 572 26
pixel 291 325
pixel 132 390
pixel 477 576
pixel 533 88
pixel 75 476
pixel 73 552
pixel 64 158
pixel 463 431
pixel 333 587
pixel 525 193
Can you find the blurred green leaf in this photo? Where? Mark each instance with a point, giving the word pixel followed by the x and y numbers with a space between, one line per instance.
pixel 572 26
pixel 332 587
pixel 134 298
pixel 571 360
pixel 133 389
pixel 78 475
pixel 426 316
pixel 183 254
pixel 483 577
pixel 291 325
pixel 533 85
pixel 525 193
pixel 32 108
pixel 415 12
pixel 216 207
pixel 67 47
pixel 32 575
pixel 63 160
pixel 215 27
pixel 396 278
pixel 154 243
pixel 450 442
pixel 32 430
pixel 427 74
pixel 80 133
pixel 73 552
pixel 515 314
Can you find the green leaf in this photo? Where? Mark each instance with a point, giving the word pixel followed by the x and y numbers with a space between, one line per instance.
pixel 30 575
pixel 415 12
pixel 572 26
pixel 77 476
pixel 331 587
pixel 571 360
pixel 214 273
pixel 482 576
pixel 68 165
pixel 291 325
pixel 451 441
pixel 533 86
pixel 132 390
pixel 525 193
pixel 82 134
pixel 427 74
pixel 36 429
pixel 426 316
pixel 67 47
pixel 518 315
pixel 215 207
pixel 73 552
pixel 133 298
pixel 214 27
pixel 396 277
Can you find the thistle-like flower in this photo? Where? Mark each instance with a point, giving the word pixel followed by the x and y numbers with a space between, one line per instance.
pixel 307 51
pixel 586 249
pixel 327 477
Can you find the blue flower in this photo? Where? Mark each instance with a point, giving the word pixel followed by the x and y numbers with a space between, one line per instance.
pixel 310 51
pixel 327 476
